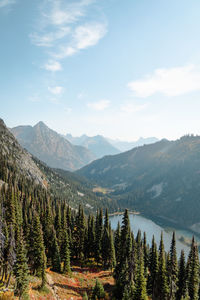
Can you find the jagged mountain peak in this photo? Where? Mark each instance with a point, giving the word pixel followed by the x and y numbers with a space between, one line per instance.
pixel 41 125
pixel 51 148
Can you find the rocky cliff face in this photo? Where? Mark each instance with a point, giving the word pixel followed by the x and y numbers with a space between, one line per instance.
pixel 17 156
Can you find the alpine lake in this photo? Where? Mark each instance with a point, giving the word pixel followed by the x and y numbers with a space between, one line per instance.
pixel 139 222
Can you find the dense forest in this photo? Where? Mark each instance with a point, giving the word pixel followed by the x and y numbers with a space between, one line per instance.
pixel 39 231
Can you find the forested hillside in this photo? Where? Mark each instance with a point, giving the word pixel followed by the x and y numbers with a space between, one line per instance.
pixel 160 179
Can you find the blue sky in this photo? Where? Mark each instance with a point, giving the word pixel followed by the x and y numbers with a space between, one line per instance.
pixel 123 69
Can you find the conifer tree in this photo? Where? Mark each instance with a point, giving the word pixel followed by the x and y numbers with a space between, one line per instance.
pixel 57 226
pixel 117 243
pixel 38 250
pixel 106 246
pixel 98 291
pixel 79 234
pixel 47 227
pixel 145 253
pixel 21 267
pixel 153 269
pixel 98 235
pixel 43 270
pixel 133 259
pixel 125 238
pixel 91 237
pixel 162 276
pixel 111 250
pixel 10 209
pixel 121 276
pixel 66 254
pixel 55 253
pixel 193 272
pixel 173 268
pixel 181 292
pixel 140 292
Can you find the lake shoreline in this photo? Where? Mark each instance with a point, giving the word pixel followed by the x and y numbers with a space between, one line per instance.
pixel 119 213
pixel 166 224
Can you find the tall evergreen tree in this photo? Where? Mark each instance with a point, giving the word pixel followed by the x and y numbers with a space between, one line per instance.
pixel 38 250
pixel 98 235
pixel 153 269
pixel 58 226
pixel 125 238
pixel 162 276
pixel 173 268
pixel 140 284
pixel 117 243
pixel 182 286
pixel 79 234
pixel 145 253
pixel 21 267
pixel 56 261
pixel 66 254
pixel 193 272
pixel 111 251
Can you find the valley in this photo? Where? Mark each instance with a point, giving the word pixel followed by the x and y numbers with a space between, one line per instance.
pixel 67 244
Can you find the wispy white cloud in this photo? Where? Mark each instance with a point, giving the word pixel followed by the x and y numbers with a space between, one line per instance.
pixel 63 28
pixel 4 3
pixel 84 36
pixel 53 66
pixel 56 90
pixel 99 105
pixel 89 35
pixel 68 13
pixel 169 82
pixel 132 107
pixel 48 39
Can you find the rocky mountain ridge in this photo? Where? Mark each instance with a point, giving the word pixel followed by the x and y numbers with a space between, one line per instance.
pixel 48 146
pixel 20 158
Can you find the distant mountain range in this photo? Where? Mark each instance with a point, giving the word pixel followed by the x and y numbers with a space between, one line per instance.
pixel 102 146
pixel 51 148
pixel 98 145
pixel 161 179
pixel 125 146
pixel 68 152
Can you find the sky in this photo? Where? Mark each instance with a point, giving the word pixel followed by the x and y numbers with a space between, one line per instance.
pixel 123 69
